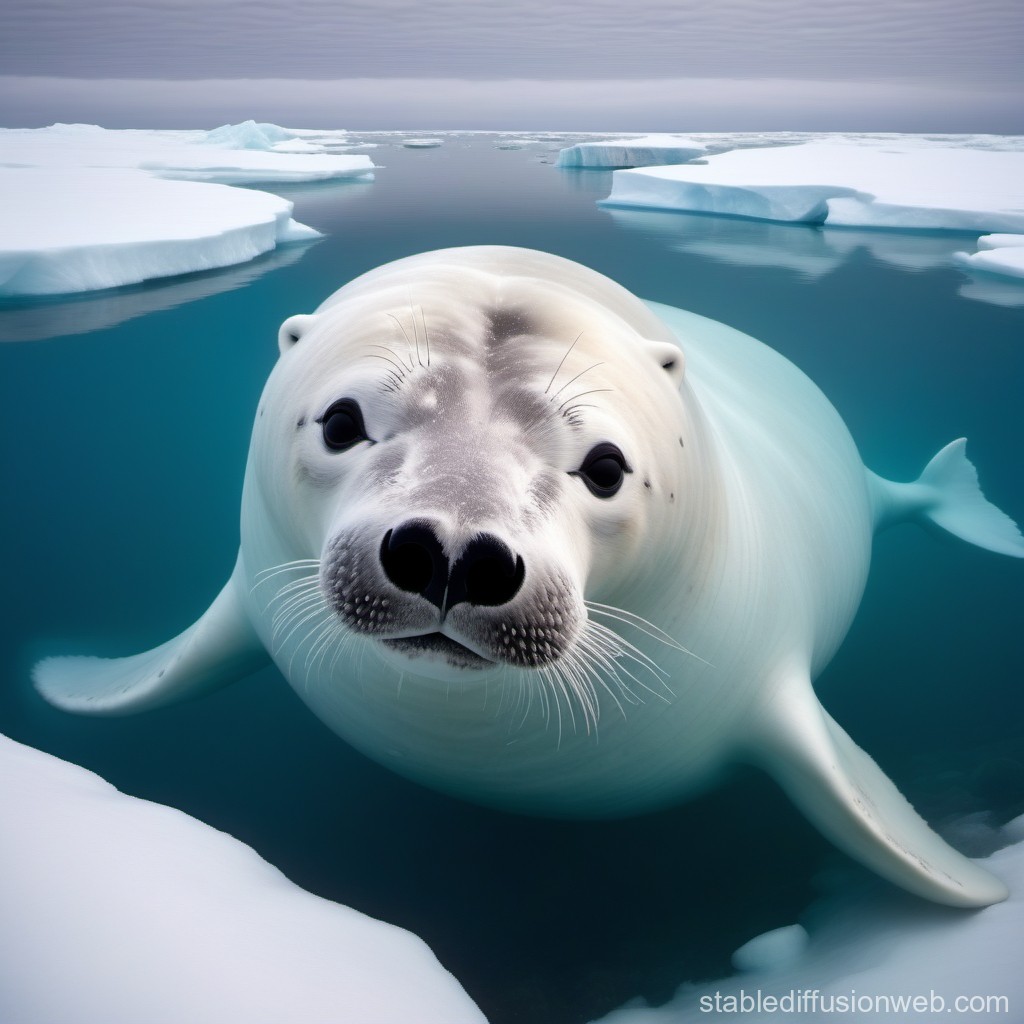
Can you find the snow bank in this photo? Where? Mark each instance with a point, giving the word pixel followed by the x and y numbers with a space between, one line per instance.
pixel 120 910
pixel 877 946
pixel 636 152
pixel 905 182
pixel 85 208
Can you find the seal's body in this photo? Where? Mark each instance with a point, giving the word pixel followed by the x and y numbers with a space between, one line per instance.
pixel 501 539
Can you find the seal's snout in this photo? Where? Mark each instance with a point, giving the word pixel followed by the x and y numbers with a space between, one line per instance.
pixel 413 560
pixel 485 573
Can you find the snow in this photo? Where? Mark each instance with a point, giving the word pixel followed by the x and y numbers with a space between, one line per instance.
pixel 87 208
pixel 902 182
pixel 631 152
pixel 874 943
pixel 120 910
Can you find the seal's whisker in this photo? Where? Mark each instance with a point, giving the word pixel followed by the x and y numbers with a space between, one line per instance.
pixel 562 363
pixel 401 370
pixel 313 617
pixel 600 629
pixel 644 625
pixel 283 631
pixel 302 619
pixel 266 574
pixel 307 583
pixel 592 391
pixel 307 596
pixel 594 366
pixel 598 661
pixel 294 606
pixel 426 336
pixel 401 327
pixel 415 334
pixel 320 643
pixel 615 666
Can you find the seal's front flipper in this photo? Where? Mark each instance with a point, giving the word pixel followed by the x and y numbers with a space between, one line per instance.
pixel 217 649
pixel 853 802
pixel 947 494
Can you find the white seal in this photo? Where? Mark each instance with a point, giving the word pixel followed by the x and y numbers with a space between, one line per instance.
pixel 498 538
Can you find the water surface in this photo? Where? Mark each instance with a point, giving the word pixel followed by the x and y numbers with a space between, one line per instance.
pixel 126 420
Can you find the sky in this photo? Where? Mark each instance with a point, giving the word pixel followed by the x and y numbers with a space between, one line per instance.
pixel 686 65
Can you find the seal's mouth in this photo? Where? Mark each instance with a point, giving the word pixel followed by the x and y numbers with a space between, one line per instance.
pixel 438 646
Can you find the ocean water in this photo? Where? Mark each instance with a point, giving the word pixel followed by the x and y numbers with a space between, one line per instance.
pixel 126 419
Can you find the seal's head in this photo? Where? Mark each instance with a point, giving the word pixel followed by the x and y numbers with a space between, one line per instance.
pixel 471 446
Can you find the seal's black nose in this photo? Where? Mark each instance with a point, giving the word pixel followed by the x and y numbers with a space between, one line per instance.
pixel 485 573
pixel 413 560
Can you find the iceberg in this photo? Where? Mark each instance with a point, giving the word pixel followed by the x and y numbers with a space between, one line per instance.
pixel 633 152
pixel 876 946
pixel 86 208
pixel 120 910
pixel 902 182
pixel 248 135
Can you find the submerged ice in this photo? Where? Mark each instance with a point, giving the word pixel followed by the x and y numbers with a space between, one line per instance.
pixel 877 946
pixel 87 208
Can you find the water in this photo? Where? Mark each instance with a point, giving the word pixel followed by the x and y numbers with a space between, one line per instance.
pixel 126 424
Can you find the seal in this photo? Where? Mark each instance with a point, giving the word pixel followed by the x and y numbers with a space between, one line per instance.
pixel 497 508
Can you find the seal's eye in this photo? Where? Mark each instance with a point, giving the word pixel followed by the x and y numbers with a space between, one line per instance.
pixel 603 470
pixel 342 425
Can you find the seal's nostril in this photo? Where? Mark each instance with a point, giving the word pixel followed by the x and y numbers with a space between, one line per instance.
pixel 487 573
pixel 413 560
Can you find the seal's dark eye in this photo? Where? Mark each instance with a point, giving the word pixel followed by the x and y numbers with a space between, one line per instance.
pixel 603 470
pixel 342 425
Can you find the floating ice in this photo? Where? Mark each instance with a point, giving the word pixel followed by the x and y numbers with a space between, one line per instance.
pixel 904 182
pixel 997 254
pixel 85 208
pixel 121 910
pixel 635 152
pixel 880 947
pixel 422 143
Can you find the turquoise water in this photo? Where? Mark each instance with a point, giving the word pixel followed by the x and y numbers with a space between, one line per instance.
pixel 126 420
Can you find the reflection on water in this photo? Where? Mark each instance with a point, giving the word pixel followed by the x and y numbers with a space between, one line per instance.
pixel 33 320
pixel 809 249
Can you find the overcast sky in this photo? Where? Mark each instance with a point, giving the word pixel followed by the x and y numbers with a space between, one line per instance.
pixel 925 65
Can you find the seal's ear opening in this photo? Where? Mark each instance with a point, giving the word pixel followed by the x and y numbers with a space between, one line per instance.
pixel 293 329
pixel 670 359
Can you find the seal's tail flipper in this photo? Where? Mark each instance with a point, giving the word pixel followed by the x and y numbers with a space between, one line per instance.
pixel 217 649
pixel 948 494
pixel 852 801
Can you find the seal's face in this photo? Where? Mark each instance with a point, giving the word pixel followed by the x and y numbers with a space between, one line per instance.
pixel 472 463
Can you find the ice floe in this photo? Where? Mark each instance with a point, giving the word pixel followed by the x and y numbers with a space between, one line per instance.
pixel 422 143
pixel 644 151
pixel 997 254
pixel 877 946
pixel 121 910
pixel 87 208
pixel 975 184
